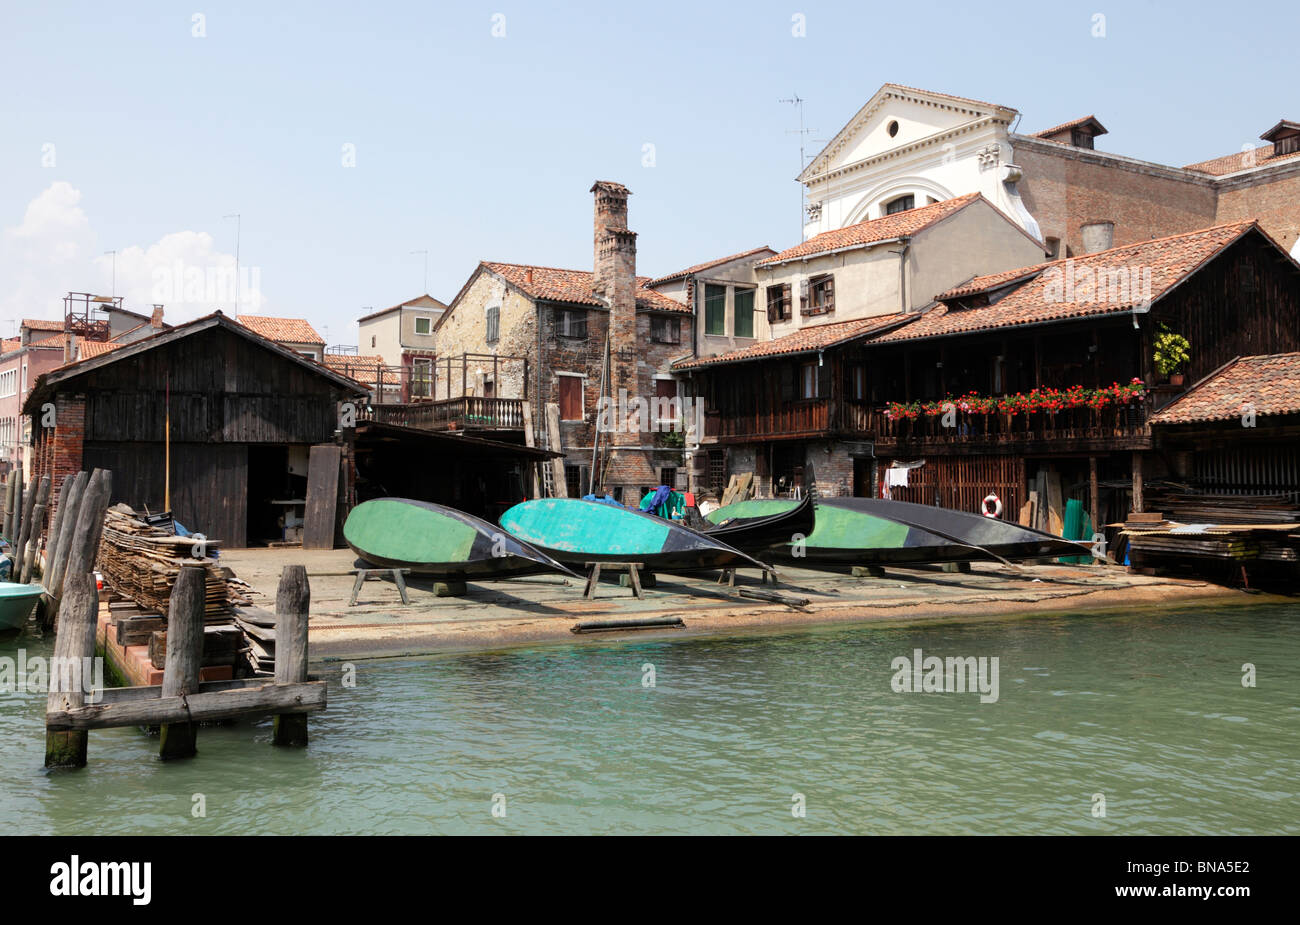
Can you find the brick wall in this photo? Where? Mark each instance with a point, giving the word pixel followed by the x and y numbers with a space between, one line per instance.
pixel 1067 189
pixel 1276 204
pixel 58 450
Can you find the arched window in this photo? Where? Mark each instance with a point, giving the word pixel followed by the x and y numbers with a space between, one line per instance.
pixel 900 204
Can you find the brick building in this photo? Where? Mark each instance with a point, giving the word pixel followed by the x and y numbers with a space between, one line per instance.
pixel 522 332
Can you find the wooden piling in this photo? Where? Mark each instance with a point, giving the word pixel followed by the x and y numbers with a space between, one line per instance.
pixel 24 529
pixel 1139 501
pixel 11 482
pixel 56 564
pixel 66 748
pixel 56 528
pixel 292 604
pixel 28 560
pixel 90 524
pixel 184 657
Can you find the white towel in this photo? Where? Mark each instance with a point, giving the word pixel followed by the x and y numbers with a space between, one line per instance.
pixel 896 477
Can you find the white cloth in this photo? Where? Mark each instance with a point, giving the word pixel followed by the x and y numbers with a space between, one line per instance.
pixel 896 477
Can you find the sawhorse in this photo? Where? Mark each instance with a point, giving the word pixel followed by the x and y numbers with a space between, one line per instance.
pixel 633 570
pixel 364 573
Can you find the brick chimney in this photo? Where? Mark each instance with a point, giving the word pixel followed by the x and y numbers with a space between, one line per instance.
pixel 614 280
pixel 155 320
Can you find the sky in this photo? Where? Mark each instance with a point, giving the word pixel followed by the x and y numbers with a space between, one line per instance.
pixel 347 136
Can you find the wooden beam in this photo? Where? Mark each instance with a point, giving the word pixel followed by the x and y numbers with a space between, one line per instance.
pixel 205 706
pixel 27 557
pixel 25 529
pixel 1139 502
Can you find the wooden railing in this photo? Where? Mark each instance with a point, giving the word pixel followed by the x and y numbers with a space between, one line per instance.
pixel 796 418
pixel 466 413
pixel 1118 428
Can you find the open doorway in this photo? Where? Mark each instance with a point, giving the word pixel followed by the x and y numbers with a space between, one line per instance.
pixel 276 496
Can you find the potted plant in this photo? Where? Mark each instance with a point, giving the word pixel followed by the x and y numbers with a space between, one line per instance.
pixel 1172 353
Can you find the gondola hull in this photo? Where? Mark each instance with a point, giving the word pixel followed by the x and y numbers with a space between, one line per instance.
pixel 752 527
pixel 576 532
pixel 17 601
pixel 439 542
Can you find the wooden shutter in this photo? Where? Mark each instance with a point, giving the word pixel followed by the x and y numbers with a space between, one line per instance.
pixel 571 398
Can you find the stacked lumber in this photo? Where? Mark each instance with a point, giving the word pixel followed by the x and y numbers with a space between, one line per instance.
pixel 739 488
pixel 1189 506
pixel 1199 546
pixel 142 562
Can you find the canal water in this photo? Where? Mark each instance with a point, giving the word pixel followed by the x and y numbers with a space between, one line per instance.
pixel 1142 716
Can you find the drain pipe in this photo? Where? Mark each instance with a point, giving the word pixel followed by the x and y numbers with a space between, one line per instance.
pixel 902 272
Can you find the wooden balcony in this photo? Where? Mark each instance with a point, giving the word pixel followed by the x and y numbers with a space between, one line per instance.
pixel 1070 430
pixel 466 413
pixel 804 419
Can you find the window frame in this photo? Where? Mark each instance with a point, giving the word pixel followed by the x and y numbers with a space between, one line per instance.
pixel 561 378
pixel 673 325
pixel 784 303
pixel 428 321
pixel 568 320
pixel 748 292
pixel 721 305
pixel 492 324
pixel 890 207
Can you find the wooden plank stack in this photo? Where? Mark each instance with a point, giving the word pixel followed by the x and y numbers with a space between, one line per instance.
pixel 142 562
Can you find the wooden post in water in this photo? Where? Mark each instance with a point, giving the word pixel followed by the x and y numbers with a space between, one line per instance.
pixel 11 482
pixel 17 511
pixel 1139 502
pixel 74 648
pixel 90 524
pixel 24 529
pixel 184 656
pixel 28 560
pixel 292 603
pixel 56 528
pixel 56 564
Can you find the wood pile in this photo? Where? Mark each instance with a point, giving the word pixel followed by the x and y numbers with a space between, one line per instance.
pixel 1184 504
pixel 739 488
pixel 141 562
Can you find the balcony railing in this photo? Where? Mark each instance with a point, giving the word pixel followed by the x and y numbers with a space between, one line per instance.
pixel 466 413
pixel 1082 428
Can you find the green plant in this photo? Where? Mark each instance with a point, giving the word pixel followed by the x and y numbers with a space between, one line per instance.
pixel 1172 352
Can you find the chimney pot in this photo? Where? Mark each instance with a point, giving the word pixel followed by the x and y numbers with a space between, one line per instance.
pixel 156 318
pixel 1097 236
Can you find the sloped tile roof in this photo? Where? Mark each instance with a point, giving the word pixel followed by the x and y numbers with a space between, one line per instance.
pixel 552 284
pixel 281 330
pixel 10 343
pixel 1242 160
pixel 1073 123
pixel 888 228
pixel 438 306
pixel 40 324
pixel 708 265
pixel 1267 384
pixel 364 369
pixel 1042 295
pixel 807 339
pixel 93 348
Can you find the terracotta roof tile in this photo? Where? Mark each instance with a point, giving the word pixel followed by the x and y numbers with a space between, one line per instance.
pixel 40 324
pixel 805 340
pixel 10 343
pixel 1267 384
pixel 1042 296
pixel 93 348
pixel 364 369
pixel 281 330
pixel 575 286
pixel 1073 123
pixel 1243 160
pixel 863 234
pixel 700 267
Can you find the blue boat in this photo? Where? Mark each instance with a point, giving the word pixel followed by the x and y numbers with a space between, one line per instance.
pixel 16 604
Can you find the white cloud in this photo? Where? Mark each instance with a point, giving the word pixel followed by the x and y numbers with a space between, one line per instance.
pixel 54 250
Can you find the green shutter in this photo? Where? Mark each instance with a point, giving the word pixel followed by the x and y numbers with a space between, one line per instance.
pixel 744 312
pixel 715 309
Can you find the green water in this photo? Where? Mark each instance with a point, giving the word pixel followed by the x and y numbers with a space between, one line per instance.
pixel 1148 710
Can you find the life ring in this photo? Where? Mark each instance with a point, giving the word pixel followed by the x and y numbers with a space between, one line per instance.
pixel 997 505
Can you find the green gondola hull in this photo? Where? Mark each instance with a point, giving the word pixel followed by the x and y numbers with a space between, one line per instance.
pixel 17 602
pixel 865 531
pixel 576 532
pixel 753 528
pixel 439 542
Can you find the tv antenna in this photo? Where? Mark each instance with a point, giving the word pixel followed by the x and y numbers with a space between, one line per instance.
pixel 803 132
pixel 238 227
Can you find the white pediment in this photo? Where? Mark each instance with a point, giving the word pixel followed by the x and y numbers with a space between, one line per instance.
pixel 913 115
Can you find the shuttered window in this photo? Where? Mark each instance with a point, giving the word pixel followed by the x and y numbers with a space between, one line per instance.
pixel 571 323
pixel 778 302
pixel 571 407
pixel 744 312
pixel 817 295
pixel 665 330
pixel 715 309
pixel 493 324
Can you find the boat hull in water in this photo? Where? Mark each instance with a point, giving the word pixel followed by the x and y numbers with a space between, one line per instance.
pixel 17 601
pixel 576 532
pixel 440 542
pixel 752 527
pixel 864 531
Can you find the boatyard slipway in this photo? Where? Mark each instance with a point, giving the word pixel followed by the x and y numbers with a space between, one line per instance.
pixel 547 608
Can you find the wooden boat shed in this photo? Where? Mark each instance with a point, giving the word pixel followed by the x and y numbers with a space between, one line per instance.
pixel 243 414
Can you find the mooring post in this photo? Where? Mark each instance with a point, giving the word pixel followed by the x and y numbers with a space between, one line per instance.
pixel 34 535
pixel 67 528
pixel 24 529
pixel 56 528
pixel 184 657
pixel 11 482
pixel 292 603
pixel 74 650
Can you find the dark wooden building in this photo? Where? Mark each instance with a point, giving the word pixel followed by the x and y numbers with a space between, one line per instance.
pixel 243 413
pixel 845 400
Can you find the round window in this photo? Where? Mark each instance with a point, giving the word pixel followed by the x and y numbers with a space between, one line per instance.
pixel 893 128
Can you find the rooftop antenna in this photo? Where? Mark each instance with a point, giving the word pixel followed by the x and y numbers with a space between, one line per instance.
pixel 803 132
pixel 425 290
pixel 114 253
pixel 239 222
